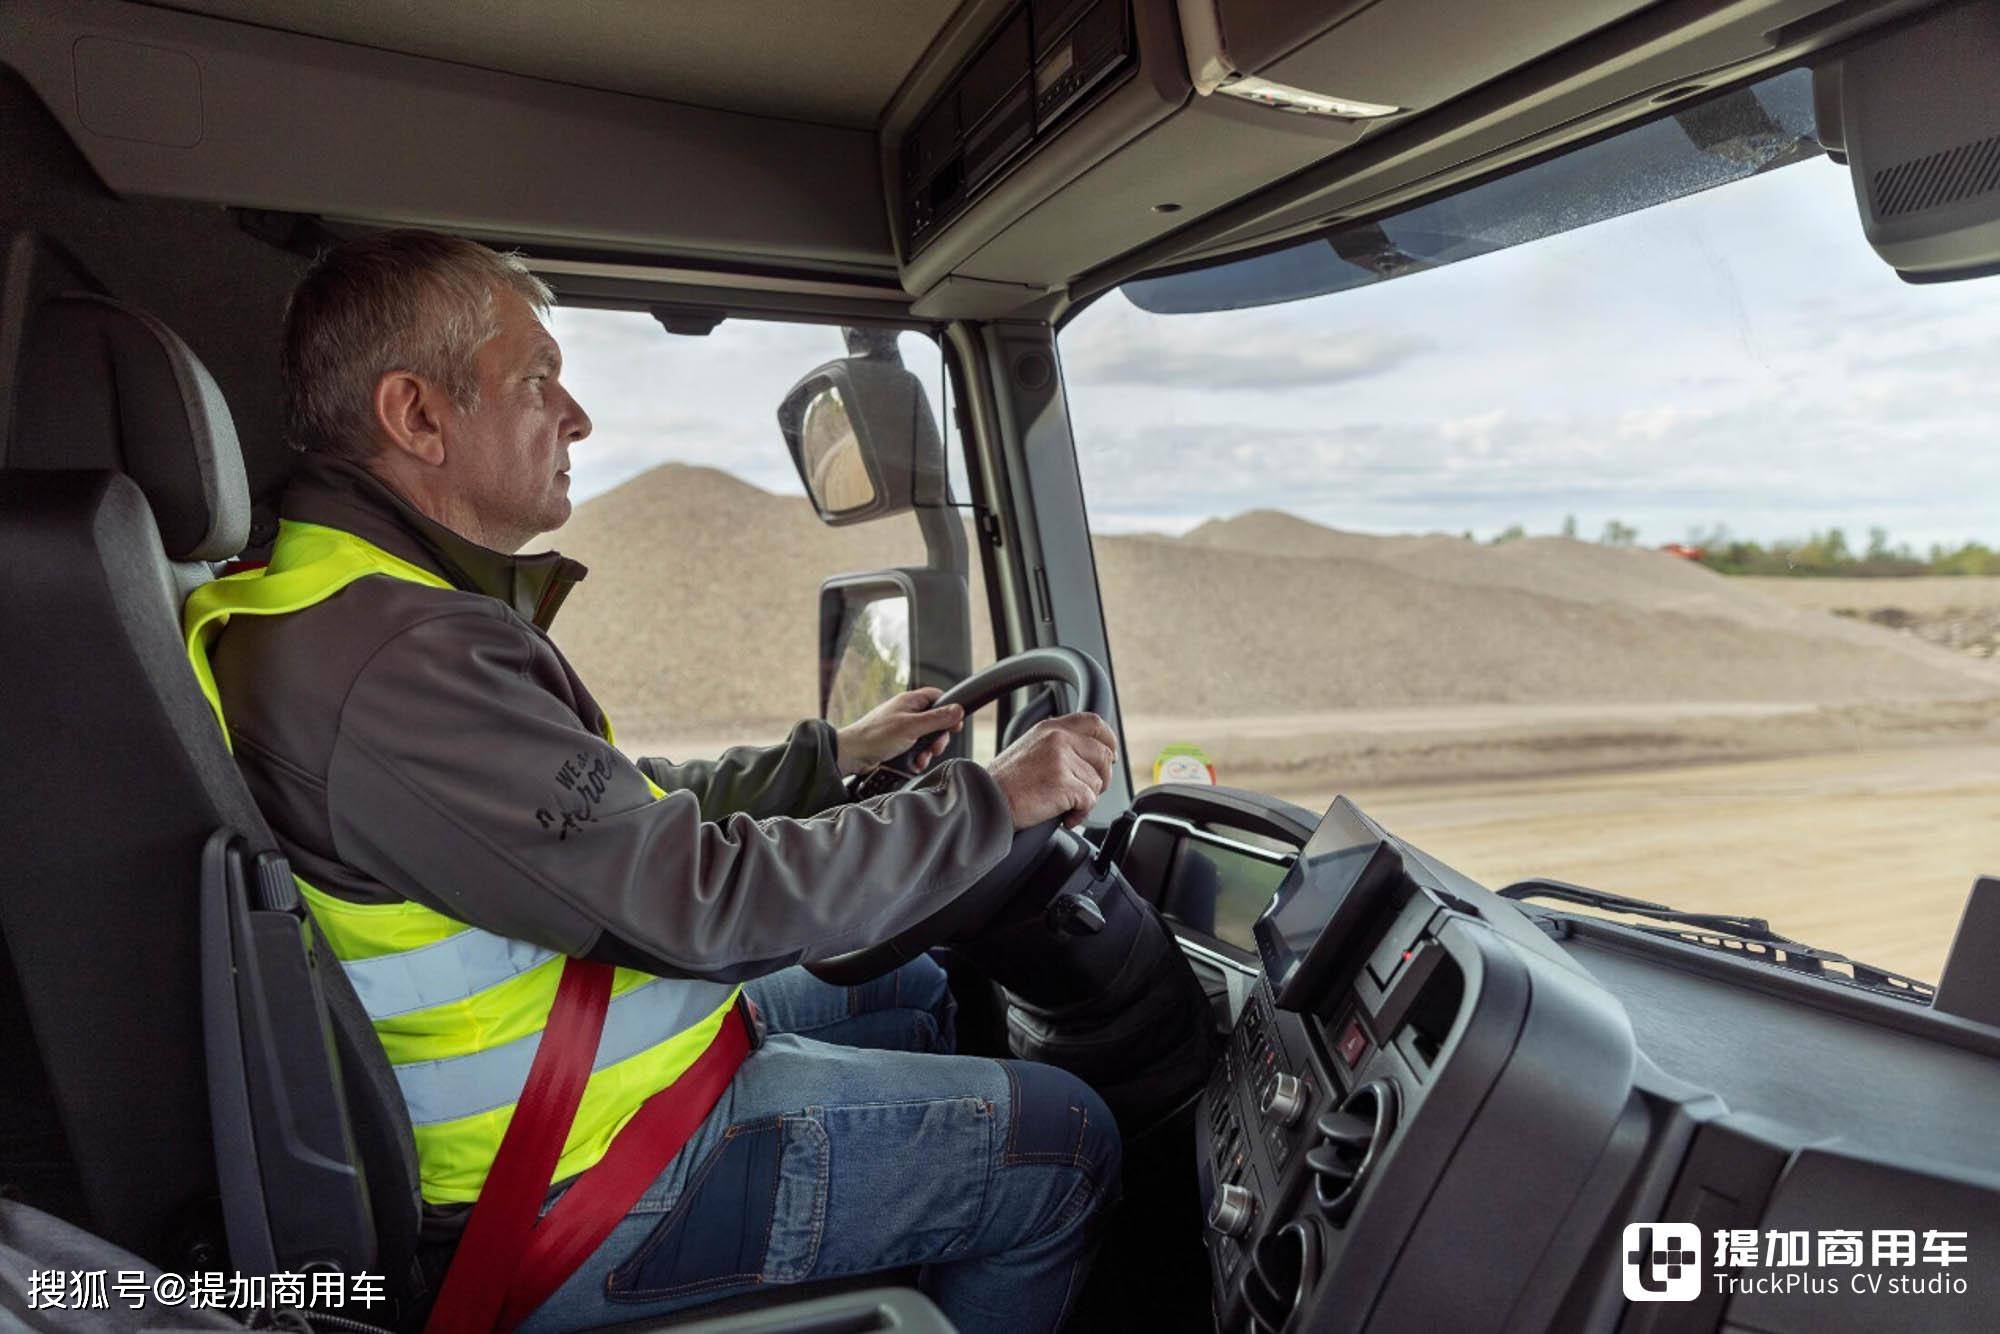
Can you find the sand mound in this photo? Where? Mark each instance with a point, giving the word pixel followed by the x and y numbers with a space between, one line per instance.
pixel 700 618
pixel 1309 633
pixel 701 609
pixel 1557 567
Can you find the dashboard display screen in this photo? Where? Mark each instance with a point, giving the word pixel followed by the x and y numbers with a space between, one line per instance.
pixel 1330 869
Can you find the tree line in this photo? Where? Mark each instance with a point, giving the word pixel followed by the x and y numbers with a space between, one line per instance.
pixel 1822 554
pixel 1829 554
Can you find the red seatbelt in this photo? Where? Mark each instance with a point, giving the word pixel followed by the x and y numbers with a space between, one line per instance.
pixel 601 1197
pixel 507 1263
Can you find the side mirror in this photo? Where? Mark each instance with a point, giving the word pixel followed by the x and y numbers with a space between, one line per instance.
pixel 889 631
pixel 864 439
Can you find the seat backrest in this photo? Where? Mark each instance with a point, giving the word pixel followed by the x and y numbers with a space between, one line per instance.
pixel 122 478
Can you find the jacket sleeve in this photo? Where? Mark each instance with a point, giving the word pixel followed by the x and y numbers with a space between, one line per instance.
pixel 799 777
pixel 461 777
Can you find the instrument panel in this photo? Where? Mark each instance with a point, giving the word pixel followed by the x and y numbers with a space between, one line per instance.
pixel 1333 1129
pixel 1442 1114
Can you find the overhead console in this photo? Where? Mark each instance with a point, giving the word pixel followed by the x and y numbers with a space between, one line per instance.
pixel 1048 60
pixel 1041 137
pixel 1043 141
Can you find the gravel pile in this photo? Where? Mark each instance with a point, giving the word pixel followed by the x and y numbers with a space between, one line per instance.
pixel 700 618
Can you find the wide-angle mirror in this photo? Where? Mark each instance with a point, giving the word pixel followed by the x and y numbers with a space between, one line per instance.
pixel 870 661
pixel 864 439
pixel 836 475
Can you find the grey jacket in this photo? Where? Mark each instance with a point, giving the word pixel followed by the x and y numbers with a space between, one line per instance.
pixel 410 742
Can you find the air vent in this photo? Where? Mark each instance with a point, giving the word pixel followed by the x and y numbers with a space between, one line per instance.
pixel 1942 178
pixel 1350 1140
pixel 1283 1271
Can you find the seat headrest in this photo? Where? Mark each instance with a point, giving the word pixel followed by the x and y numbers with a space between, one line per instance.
pixel 102 385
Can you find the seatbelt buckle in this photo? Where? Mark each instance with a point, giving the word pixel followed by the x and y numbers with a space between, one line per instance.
pixel 752 1019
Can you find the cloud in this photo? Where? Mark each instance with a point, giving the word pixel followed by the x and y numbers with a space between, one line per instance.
pixel 1738 357
pixel 1143 350
pixel 1768 469
pixel 656 397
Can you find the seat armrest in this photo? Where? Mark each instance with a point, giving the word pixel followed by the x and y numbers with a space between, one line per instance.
pixel 904 1310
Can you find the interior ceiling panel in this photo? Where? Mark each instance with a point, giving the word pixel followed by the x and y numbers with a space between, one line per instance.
pixel 188 106
pixel 834 62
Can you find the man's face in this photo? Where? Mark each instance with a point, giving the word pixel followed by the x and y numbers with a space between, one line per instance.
pixel 509 457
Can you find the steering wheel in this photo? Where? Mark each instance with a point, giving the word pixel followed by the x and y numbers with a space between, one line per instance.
pixel 972 907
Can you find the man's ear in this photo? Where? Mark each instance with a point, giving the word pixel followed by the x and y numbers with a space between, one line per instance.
pixel 409 413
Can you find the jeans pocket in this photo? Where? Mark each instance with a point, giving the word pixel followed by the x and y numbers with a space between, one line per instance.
pixel 754 1211
pixel 909 1182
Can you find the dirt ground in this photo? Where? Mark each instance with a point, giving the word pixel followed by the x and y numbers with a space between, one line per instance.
pixel 1864 840
pixel 1960 614
pixel 1859 828
pixel 1313 752
pixel 1867 852
pixel 1919 595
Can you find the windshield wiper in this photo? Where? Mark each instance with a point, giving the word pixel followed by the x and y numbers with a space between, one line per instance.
pixel 1753 937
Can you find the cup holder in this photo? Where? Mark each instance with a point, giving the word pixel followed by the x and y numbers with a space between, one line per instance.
pixel 1284 1268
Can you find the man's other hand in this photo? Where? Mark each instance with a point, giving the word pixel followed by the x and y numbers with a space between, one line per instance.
pixel 896 724
pixel 1060 767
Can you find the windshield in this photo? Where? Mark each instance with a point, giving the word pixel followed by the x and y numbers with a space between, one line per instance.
pixel 1652 554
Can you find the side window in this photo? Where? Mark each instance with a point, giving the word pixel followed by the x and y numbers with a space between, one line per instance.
pixel 697 628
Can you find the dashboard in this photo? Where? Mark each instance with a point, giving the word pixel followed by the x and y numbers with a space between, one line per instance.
pixel 1436 1111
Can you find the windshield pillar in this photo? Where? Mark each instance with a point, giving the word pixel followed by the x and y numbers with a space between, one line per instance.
pixel 1032 457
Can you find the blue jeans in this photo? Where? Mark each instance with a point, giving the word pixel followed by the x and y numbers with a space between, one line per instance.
pixel 853 1141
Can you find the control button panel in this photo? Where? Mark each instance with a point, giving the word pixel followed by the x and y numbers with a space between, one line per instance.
pixel 1257 1044
pixel 1281 1097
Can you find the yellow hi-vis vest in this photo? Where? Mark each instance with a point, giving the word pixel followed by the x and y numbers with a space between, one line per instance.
pixel 459 1010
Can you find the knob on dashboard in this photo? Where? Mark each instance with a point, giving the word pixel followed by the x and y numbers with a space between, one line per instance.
pixel 1232 1211
pixel 1285 1100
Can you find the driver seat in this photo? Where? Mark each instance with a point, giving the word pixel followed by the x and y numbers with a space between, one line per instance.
pixel 120 481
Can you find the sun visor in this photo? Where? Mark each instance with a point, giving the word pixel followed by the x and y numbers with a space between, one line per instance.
pixel 1919 122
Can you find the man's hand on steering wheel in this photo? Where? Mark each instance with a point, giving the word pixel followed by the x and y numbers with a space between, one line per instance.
pixel 1052 775
pixel 893 726
pixel 1058 768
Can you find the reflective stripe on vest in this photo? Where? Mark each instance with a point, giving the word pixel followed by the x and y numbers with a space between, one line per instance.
pixel 460 1011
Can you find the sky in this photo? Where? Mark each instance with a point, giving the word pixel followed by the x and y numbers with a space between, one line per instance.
pixel 1738 357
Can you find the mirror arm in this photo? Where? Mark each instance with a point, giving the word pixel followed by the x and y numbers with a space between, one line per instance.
pixel 873 343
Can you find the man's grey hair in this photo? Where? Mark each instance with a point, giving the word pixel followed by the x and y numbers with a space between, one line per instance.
pixel 402 300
